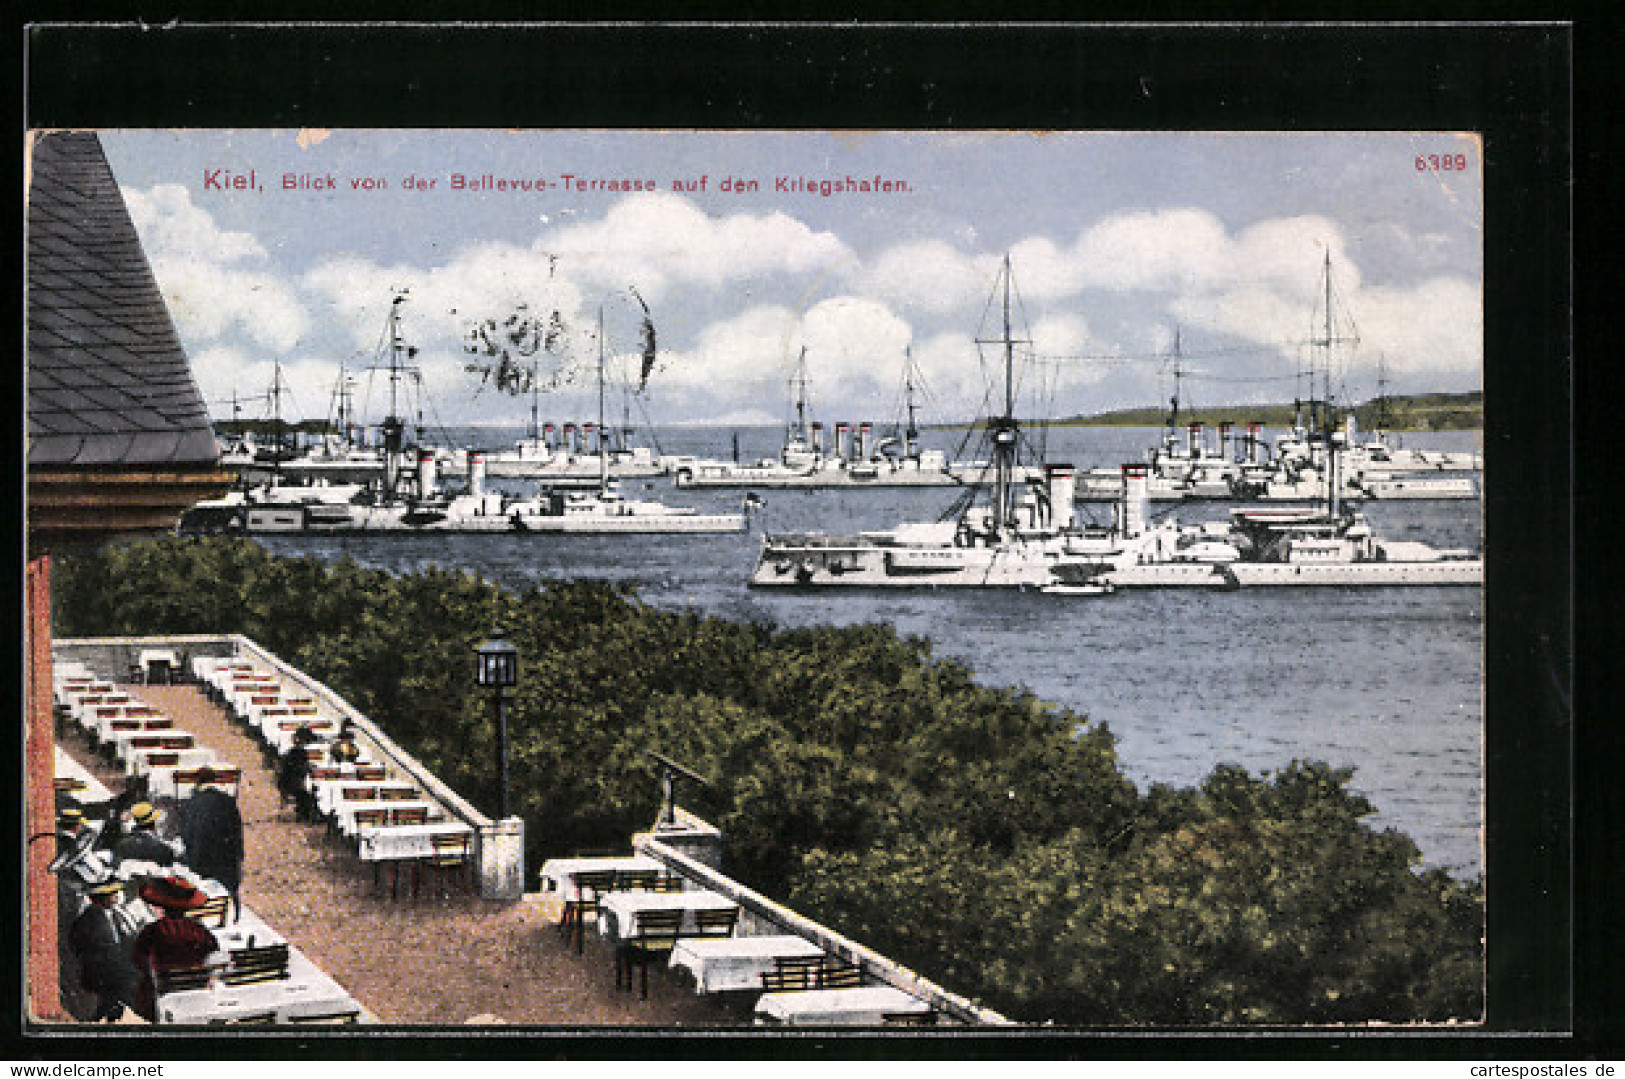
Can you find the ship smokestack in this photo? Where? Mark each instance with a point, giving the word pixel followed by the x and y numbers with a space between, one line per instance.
pixel 842 450
pixel 592 441
pixel 476 474
pixel 1132 511
pixel 1255 435
pixel 1224 440
pixel 1061 482
pixel 1193 440
pixel 818 437
pixel 865 446
pixel 426 473
pixel 570 439
pixel 547 436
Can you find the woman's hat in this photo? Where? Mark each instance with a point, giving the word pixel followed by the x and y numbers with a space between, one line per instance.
pixel 70 815
pixel 304 735
pixel 144 813
pixel 111 886
pixel 172 893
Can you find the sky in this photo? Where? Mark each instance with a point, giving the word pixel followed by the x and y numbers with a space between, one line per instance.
pixel 1117 242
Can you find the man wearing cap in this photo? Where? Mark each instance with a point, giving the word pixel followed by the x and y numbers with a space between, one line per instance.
pixel 102 938
pixel 210 827
pixel 70 823
pixel 143 844
pixel 173 942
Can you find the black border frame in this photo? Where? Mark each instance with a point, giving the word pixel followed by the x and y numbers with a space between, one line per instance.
pixel 1511 82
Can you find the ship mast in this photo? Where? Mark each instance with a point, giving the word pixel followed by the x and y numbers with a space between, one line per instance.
pixel 393 427
pixel 911 434
pixel 603 458
pixel 1004 429
pixel 798 382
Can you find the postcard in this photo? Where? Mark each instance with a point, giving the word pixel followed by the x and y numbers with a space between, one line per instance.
pixel 868 539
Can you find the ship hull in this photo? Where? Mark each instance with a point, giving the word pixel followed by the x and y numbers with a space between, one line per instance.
pixel 1288 574
pixel 676 524
pixel 773 478
pixel 819 563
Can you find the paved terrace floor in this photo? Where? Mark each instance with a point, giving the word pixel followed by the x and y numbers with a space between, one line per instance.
pixel 430 960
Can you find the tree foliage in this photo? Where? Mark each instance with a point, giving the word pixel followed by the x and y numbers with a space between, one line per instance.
pixel 973 833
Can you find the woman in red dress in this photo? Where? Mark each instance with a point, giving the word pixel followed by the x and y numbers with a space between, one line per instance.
pixel 173 942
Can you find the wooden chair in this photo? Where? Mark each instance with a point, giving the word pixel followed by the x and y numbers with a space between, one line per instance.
pixel 396 794
pixel 358 794
pixel 669 883
pixel 176 741
pixel 791 975
pixel 325 772
pixel 449 860
pixel 148 741
pixel 591 886
pixel 636 880
pixel 909 1019
pixel 835 974
pixel 715 923
pixel 367 817
pixel 67 784
pixel 373 772
pixel 266 963
pixel 162 758
pixel 409 815
pixel 229 780
pixel 157 723
pixel 124 724
pixel 315 754
pixel 654 933
pixel 214 910
pixel 183 778
pixel 180 980
pixel 258 1019
pixel 347 1016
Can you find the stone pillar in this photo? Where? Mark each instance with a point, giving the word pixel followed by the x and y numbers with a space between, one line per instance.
pixel 502 859
pixel 691 836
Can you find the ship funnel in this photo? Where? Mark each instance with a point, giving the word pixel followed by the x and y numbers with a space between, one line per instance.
pixel 569 444
pixel 476 474
pixel 865 441
pixel 818 437
pixel 1061 482
pixel 1132 510
pixel 1255 435
pixel 426 473
pixel 1224 440
pixel 592 439
pixel 842 450
pixel 547 436
pixel 1193 439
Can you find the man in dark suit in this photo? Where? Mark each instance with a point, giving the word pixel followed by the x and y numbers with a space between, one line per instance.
pixel 142 843
pixel 102 938
pixel 210 827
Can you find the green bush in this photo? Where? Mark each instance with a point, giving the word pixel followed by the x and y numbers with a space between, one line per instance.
pixel 976 834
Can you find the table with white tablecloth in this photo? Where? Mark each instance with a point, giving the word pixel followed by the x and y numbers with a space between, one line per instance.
pixel 618 911
pixel 304 994
pixel 867 1005
pixel 344 813
pixel 559 874
pixel 128 745
pixel 330 793
pixel 404 842
pixel 729 964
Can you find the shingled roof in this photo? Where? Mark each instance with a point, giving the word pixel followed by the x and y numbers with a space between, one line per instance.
pixel 108 381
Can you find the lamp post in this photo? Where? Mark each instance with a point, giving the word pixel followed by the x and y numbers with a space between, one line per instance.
pixel 497 668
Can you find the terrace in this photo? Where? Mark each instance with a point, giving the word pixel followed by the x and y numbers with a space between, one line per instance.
pixel 411 948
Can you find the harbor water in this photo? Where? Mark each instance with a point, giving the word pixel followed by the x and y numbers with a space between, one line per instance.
pixel 1388 681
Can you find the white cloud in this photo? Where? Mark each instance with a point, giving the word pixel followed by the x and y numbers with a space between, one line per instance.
pixel 210 298
pixel 658 241
pixel 172 228
pixel 925 275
